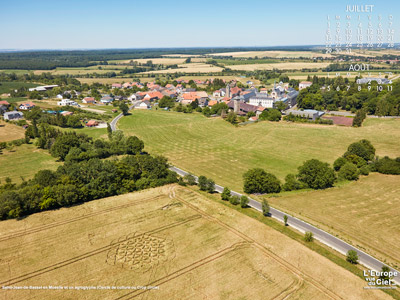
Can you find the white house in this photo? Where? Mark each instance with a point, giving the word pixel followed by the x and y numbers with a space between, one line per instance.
pixel 304 84
pixel 262 99
pixel 143 105
pixel 66 102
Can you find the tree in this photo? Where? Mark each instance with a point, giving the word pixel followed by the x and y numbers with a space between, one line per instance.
pixel 232 118
pixel 285 218
pixel 188 60
pixel 124 108
pixel 203 183
pixel 362 148
pixel 226 194
pixel 210 186
pixel 352 256
pixel 109 130
pixel 206 111
pixel 166 102
pixel 316 174
pixel 308 236
pixel 340 162
pixel 244 201
pixel 134 145
pixel 265 208
pixel 359 118
pixel 234 200
pixel 291 183
pixel 258 181
pixel 190 179
pixel 384 276
pixel 280 105
pixel 349 171
pixel 271 114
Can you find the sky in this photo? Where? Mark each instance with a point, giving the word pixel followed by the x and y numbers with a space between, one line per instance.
pixel 94 24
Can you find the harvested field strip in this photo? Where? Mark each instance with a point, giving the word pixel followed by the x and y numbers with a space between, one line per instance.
pixel 88 254
pixel 20 233
pixel 186 269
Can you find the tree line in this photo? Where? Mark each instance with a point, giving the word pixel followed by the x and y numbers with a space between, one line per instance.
pixel 85 175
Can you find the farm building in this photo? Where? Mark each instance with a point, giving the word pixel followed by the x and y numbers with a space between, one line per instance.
pixel 13 115
pixel 89 100
pixel 307 113
pixel 43 88
pixel 304 84
pixel 92 123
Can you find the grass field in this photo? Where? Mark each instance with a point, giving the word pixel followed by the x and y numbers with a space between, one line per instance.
pixel 215 148
pixel 171 238
pixel 25 161
pixel 364 213
pixel 9 132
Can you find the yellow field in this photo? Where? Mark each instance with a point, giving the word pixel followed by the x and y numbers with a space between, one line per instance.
pixel 364 213
pixel 111 80
pixel 276 54
pixel 9 132
pixel 280 66
pixel 181 55
pixel 190 68
pixel 170 238
pixel 163 61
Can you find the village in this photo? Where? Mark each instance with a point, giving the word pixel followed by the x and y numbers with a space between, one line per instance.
pixel 246 102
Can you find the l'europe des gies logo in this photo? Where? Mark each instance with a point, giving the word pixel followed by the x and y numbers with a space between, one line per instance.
pixel 383 279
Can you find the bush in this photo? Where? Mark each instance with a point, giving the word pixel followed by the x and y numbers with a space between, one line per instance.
pixel 364 170
pixel 352 256
pixel 226 194
pixel 258 181
pixel 349 172
pixel 244 201
pixel 308 236
pixel 210 187
pixel 316 174
pixel 235 200
pixel 190 179
pixel 356 160
pixel 339 163
pixel 363 149
pixel 387 165
pixel 291 183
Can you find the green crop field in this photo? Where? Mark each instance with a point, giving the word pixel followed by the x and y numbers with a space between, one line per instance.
pixel 7 87
pixel 25 161
pixel 215 148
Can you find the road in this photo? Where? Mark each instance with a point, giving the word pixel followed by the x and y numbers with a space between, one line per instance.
pixel 302 226
pixel 114 122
